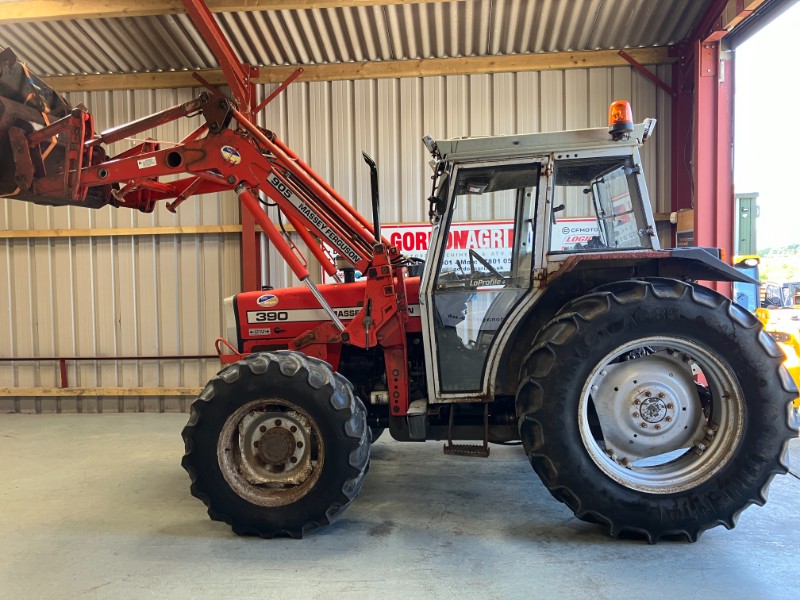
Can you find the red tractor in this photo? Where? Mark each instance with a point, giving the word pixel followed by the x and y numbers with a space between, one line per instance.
pixel 646 402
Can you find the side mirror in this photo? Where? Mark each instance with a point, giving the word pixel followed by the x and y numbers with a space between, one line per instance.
pixel 555 210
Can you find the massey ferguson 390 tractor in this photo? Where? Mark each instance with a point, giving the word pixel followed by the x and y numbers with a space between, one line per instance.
pixel 646 402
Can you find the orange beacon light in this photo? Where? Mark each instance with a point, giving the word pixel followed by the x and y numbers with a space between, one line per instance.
pixel 620 119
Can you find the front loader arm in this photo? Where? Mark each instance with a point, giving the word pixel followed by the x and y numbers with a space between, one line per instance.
pixel 50 154
pixel 233 154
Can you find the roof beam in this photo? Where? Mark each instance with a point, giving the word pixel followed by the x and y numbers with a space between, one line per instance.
pixel 20 11
pixel 371 70
pixel 709 22
pixel 737 11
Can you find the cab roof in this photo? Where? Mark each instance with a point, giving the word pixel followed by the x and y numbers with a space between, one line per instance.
pixel 540 143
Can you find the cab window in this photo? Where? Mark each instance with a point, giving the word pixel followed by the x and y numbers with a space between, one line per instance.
pixel 596 206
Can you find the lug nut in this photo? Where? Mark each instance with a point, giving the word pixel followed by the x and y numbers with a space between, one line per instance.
pixel 635 415
pixel 263 428
pixel 648 394
pixel 661 394
pixel 644 425
pixel 658 426
pixel 668 419
pixel 670 406
pixel 637 402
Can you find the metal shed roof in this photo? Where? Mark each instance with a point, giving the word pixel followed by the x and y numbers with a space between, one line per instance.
pixel 447 29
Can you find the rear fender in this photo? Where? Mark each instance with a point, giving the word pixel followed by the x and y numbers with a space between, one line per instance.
pixel 581 273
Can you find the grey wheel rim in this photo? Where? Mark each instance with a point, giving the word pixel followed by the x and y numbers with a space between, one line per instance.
pixel 270 452
pixel 646 423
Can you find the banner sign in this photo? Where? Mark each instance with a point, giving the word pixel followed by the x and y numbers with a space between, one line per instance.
pixel 572 230
pixel 493 240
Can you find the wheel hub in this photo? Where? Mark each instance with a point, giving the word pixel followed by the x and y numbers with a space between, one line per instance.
pixel 653 410
pixel 274 447
pixel 647 407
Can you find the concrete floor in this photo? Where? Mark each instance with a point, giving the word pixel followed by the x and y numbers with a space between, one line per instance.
pixel 97 506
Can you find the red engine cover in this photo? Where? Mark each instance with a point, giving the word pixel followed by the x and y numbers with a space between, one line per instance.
pixel 276 317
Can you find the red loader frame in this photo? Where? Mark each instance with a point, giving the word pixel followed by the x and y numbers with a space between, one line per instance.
pixel 227 152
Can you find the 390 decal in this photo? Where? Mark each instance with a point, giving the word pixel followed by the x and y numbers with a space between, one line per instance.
pixel 271 316
pixel 305 315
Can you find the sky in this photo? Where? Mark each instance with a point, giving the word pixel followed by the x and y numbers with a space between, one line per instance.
pixel 767 127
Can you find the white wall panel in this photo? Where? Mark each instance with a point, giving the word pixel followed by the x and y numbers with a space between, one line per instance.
pixel 387 118
pixel 115 296
pixel 161 295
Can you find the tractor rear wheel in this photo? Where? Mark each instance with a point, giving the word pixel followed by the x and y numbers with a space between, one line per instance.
pixel 277 444
pixel 656 408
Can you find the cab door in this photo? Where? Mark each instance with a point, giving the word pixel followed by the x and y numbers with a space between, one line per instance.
pixel 480 269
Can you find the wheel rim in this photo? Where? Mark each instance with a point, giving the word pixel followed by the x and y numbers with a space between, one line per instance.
pixel 270 452
pixel 661 414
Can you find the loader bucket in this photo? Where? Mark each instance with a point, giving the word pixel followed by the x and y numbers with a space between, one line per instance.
pixel 43 141
pixel 17 83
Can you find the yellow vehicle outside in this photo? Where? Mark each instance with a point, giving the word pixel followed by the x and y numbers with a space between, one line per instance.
pixel 791 290
pixel 781 320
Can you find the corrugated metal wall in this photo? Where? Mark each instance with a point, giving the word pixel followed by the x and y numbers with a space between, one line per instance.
pixel 161 295
pixel 152 295
pixel 331 123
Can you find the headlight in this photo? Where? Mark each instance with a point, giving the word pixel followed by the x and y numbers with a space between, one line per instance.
pixel 229 320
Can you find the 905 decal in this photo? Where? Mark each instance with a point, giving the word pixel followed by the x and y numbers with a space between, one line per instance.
pixel 280 186
pixel 262 316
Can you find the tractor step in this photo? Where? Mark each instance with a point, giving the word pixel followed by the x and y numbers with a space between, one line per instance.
pixel 417 419
pixel 476 450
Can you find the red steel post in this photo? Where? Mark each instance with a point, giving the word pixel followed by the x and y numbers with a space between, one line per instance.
pixel 250 202
pixel 682 131
pixel 713 153
pixel 62 365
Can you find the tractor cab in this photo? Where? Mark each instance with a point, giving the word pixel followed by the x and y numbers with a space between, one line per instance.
pixel 541 199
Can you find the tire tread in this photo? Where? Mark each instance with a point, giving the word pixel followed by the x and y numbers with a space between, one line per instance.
pixel 317 374
pixel 541 363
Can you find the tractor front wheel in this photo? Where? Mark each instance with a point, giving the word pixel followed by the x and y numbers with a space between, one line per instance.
pixel 277 444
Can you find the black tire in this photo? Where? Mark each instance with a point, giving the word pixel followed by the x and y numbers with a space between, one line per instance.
pixel 584 458
pixel 314 449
